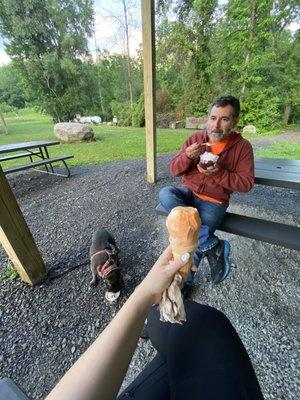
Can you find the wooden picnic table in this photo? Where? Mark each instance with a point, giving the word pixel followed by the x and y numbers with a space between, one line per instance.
pixel 277 172
pixel 38 149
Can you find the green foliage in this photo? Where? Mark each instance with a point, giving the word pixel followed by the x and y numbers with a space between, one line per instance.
pixel 48 41
pixel 138 117
pixel 9 273
pixel 238 47
pixel 163 120
pixel 204 49
pixel 122 111
pixel 260 109
pixel 11 90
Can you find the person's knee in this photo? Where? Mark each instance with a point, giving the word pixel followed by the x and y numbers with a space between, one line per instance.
pixel 202 315
pixel 166 192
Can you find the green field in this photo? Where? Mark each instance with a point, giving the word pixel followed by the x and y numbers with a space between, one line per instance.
pixel 112 143
pixel 289 151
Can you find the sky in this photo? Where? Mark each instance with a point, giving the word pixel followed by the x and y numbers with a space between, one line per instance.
pixel 106 29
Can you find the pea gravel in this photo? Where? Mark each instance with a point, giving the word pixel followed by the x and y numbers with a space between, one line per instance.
pixel 45 329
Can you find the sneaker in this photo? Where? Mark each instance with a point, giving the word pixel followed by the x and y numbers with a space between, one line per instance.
pixel 186 290
pixel 144 333
pixel 218 259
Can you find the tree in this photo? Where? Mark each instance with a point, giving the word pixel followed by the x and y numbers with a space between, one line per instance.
pixel 124 15
pixel 11 89
pixel 47 41
pixel 183 53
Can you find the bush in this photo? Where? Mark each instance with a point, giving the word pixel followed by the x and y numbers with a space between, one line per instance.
pixel 260 109
pixel 163 120
pixel 138 118
pixel 122 112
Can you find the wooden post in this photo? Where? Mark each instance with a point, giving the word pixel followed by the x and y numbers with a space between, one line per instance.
pixel 16 238
pixel 148 24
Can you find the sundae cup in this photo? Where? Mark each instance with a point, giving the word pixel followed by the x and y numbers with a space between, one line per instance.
pixel 207 160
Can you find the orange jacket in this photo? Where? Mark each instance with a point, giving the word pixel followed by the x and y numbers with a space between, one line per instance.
pixel 236 162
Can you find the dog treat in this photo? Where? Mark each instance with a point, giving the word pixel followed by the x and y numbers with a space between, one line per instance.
pixel 207 160
pixel 183 224
pixel 111 296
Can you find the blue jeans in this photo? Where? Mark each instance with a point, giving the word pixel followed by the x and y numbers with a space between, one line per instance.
pixel 211 215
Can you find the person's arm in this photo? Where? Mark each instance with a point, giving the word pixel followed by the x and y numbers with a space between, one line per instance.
pixel 99 372
pixel 187 157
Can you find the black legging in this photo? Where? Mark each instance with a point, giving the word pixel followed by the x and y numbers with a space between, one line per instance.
pixel 202 359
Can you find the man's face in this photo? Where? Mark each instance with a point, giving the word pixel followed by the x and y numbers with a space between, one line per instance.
pixel 221 122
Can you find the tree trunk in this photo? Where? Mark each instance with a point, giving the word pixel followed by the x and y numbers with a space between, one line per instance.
pixel 287 113
pixel 128 56
pixel 4 123
pixel 249 45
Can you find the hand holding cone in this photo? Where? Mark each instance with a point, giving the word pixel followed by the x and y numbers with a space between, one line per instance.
pixel 183 224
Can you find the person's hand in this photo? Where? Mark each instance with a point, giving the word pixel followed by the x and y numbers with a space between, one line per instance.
pixel 208 172
pixel 193 151
pixel 161 274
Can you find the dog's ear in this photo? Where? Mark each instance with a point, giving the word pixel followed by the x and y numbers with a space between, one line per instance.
pixel 114 249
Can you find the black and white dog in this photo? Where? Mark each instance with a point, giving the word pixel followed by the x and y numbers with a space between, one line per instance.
pixel 105 261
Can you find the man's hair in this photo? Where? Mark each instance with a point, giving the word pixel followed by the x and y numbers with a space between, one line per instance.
pixel 223 101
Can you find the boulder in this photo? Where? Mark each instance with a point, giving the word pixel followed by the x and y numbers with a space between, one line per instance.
pixel 73 132
pixel 90 120
pixel 249 129
pixel 196 123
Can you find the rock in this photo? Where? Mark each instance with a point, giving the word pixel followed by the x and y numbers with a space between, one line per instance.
pixel 249 129
pixel 73 132
pixel 196 123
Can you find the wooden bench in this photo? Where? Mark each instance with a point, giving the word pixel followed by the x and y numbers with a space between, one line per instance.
pixel 255 228
pixel 20 155
pixel 270 172
pixel 46 162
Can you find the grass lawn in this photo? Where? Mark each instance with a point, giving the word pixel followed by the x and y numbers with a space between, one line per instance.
pixel 112 143
pixel 288 150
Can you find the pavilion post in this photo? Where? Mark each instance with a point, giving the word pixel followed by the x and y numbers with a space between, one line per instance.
pixel 16 237
pixel 148 24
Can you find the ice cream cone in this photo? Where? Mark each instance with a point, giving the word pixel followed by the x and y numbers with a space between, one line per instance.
pixel 183 224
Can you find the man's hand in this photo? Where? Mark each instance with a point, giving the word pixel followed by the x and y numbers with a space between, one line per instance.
pixel 193 151
pixel 209 172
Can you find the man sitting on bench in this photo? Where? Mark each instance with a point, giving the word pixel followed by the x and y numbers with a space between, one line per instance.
pixel 209 190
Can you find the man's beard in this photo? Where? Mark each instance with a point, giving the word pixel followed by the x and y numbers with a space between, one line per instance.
pixel 218 135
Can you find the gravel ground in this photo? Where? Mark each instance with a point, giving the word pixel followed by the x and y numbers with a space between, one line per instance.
pixel 44 329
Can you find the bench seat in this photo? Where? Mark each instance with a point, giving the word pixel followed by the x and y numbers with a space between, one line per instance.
pixel 20 155
pixel 255 228
pixel 46 161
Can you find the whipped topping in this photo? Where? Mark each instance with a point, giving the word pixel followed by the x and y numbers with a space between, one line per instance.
pixel 208 156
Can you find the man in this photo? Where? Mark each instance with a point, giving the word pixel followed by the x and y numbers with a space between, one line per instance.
pixel 209 190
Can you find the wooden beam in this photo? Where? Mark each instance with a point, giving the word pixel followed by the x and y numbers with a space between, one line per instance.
pixel 148 24
pixel 16 238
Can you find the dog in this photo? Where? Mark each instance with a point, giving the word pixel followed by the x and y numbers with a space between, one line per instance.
pixel 105 261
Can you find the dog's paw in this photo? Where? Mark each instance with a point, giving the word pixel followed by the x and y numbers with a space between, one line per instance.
pixel 111 296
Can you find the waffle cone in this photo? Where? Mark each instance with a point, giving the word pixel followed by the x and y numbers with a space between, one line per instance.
pixel 183 224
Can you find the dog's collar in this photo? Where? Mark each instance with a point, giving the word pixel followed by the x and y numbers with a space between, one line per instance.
pixel 108 266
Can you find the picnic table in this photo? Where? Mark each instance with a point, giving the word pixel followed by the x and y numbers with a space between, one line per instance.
pixel 36 153
pixel 270 172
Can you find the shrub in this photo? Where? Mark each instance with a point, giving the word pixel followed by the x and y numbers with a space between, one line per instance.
pixel 163 120
pixel 138 117
pixel 260 109
pixel 122 112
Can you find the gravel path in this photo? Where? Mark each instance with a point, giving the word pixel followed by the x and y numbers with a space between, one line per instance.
pixel 44 329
